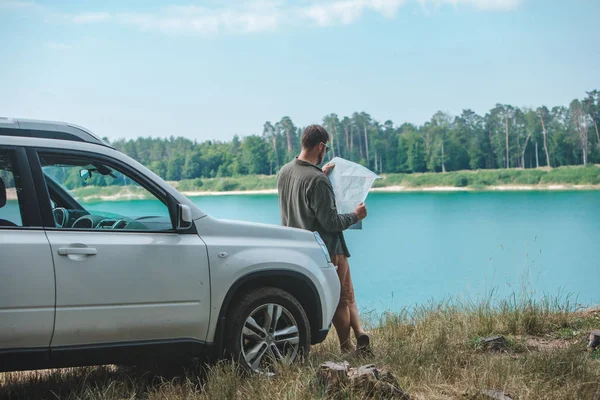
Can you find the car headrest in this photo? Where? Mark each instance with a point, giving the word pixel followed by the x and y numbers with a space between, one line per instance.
pixel 2 193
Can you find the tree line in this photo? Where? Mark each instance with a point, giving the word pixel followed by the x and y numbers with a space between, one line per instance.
pixel 505 137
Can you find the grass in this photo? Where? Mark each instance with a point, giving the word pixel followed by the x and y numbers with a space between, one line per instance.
pixel 243 183
pixel 433 350
pixel 481 179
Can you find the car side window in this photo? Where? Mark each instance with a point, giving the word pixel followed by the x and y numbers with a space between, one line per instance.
pixel 89 194
pixel 10 191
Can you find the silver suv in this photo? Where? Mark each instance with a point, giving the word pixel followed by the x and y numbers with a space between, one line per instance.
pixel 88 282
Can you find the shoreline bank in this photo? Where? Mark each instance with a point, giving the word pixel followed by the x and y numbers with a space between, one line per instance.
pixel 126 195
pixel 408 189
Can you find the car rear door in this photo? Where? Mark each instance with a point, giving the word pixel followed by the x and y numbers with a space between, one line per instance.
pixel 27 289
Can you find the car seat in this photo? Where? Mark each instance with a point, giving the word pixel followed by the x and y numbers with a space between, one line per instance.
pixel 4 222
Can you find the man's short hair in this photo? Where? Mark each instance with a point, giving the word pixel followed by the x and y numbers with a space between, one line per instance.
pixel 313 135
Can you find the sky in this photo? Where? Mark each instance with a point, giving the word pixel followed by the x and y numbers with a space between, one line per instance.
pixel 213 69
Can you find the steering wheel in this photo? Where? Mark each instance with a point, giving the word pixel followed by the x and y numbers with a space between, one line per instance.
pixel 61 216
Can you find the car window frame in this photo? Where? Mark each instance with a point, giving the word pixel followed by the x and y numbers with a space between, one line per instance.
pixel 28 207
pixel 44 200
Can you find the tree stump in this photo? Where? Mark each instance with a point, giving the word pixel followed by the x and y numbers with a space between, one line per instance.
pixel 594 339
pixel 494 343
pixel 367 380
pixel 333 375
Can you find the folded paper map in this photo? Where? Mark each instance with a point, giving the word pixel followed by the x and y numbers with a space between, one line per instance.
pixel 351 184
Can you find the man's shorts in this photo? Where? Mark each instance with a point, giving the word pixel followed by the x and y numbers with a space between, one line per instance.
pixel 343 271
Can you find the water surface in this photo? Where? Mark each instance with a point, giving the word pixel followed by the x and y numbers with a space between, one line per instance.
pixel 420 247
pixel 416 247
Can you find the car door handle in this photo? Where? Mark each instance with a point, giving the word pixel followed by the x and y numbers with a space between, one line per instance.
pixel 84 251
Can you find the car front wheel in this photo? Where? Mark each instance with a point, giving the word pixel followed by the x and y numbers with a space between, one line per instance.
pixel 267 326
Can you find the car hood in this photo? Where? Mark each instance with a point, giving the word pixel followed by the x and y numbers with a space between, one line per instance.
pixel 210 226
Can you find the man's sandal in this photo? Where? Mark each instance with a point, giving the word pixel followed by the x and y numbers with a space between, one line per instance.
pixel 363 345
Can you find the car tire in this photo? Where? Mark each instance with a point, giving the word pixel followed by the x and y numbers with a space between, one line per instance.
pixel 265 325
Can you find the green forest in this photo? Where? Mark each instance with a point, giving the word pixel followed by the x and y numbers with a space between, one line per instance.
pixel 505 137
pixel 505 146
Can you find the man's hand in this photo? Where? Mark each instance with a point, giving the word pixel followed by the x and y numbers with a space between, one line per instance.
pixel 361 211
pixel 327 168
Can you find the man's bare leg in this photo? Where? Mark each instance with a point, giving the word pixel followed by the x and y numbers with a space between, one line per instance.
pixel 362 339
pixel 355 321
pixel 341 318
pixel 341 322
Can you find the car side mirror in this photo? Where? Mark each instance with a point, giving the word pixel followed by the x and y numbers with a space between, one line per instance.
pixel 85 174
pixel 184 217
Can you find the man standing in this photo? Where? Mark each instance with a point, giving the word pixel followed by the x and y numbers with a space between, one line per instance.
pixel 307 201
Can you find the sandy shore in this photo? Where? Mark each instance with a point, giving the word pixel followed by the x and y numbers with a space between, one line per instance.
pixel 401 189
pixel 116 196
pixel 542 187
pixel 11 194
pixel 233 192
pixel 388 189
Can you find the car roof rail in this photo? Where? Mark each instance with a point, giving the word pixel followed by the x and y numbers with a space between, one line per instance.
pixel 48 130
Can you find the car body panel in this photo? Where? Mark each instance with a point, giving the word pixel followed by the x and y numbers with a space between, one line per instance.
pixel 26 289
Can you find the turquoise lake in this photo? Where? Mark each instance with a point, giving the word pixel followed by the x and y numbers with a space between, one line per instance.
pixel 420 247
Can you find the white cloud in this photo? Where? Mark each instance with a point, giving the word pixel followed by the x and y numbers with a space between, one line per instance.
pixel 58 46
pixel 194 19
pixel 487 5
pixel 19 4
pixel 92 17
pixel 348 11
pixel 245 16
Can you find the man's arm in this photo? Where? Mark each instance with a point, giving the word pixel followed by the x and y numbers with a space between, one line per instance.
pixel 322 202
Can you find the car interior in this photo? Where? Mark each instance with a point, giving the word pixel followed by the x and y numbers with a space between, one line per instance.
pixel 10 211
pixel 72 211
pixel 3 201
